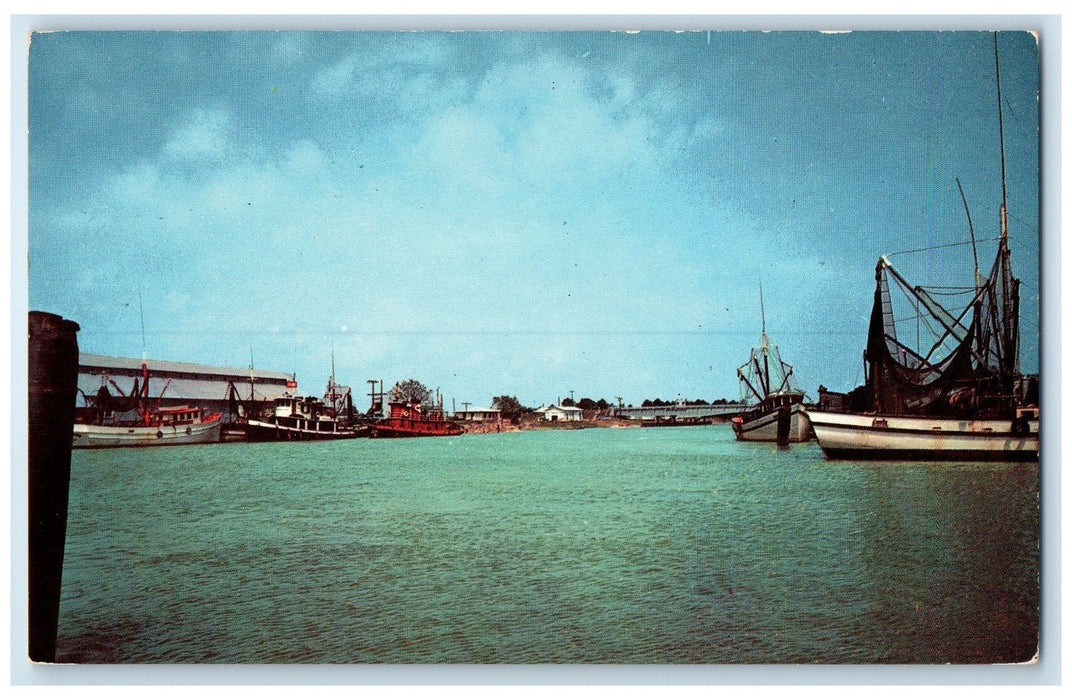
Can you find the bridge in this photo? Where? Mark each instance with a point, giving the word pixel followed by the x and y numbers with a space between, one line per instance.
pixel 682 411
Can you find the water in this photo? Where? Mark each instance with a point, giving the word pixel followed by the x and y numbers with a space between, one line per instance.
pixel 668 545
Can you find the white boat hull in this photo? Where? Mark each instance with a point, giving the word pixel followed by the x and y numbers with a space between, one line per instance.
pixel 764 428
pixel 86 436
pixel 856 436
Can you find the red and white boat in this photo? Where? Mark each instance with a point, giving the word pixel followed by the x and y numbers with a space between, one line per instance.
pixel 106 424
pixel 181 425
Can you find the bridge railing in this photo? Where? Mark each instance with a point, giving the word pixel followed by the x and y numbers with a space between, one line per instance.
pixel 681 411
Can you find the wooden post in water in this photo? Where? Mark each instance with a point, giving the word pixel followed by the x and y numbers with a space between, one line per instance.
pixel 53 385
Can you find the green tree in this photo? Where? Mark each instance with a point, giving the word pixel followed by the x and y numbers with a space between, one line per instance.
pixel 509 407
pixel 410 391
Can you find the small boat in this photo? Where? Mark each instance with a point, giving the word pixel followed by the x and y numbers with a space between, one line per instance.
pixel 109 421
pixel 299 418
pixel 964 398
pixel 779 415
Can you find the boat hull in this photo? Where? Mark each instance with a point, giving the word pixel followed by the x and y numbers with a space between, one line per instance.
pixel 869 437
pixel 408 427
pixel 98 436
pixel 264 431
pixel 764 427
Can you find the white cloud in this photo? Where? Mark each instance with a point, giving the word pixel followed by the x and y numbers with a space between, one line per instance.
pixel 205 136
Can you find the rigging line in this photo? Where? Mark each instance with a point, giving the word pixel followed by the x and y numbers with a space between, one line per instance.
pixel 961 292
pixel 971 230
pixel 935 247
pixel 141 314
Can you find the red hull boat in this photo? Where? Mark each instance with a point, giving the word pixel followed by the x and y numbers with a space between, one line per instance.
pixel 409 420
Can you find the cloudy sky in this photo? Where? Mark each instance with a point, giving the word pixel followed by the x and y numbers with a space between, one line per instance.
pixel 521 213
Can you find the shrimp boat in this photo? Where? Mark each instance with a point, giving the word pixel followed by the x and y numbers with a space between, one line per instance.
pixel 964 398
pixel 107 421
pixel 778 416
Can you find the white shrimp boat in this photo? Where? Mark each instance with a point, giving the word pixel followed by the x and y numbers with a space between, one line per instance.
pixel 782 419
pixel 182 425
pixel 779 415
pixel 972 404
pixel 888 437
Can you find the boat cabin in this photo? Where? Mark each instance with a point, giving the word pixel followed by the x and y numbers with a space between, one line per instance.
pixel 180 415
pixel 305 413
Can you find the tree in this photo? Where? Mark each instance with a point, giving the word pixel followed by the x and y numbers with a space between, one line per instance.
pixel 509 407
pixel 586 404
pixel 410 391
pixel 567 402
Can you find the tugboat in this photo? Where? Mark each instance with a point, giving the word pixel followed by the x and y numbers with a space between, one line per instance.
pixel 299 418
pixel 410 418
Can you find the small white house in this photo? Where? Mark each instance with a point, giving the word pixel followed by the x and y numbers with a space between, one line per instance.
pixel 482 415
pixel 560 413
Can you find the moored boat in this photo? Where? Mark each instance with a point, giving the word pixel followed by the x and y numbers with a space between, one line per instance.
pixel 778 416
pixel 130 421
pixel 961 398
pixel 299 418
pixel 182 425
pixel 889 437
pixel 411 419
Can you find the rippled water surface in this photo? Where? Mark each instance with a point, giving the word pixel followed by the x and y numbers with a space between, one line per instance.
pixel 668 545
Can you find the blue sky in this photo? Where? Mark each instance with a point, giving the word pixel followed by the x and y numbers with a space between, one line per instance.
pixel 523 213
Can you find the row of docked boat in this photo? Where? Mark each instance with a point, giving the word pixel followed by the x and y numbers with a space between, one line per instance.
pixel 132 421
pixel 958 396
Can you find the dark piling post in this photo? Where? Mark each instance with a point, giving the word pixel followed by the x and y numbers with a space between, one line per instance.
pixel 53 384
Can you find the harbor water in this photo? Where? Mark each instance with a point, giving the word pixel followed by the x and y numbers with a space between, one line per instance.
pixel 618 546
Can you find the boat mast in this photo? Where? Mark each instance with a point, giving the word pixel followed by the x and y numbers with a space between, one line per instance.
pixel 143 394
pixel 1009 287
pixel 1001 138
pixel 765 344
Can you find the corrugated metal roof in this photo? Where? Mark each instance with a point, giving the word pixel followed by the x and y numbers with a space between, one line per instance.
pixel 179 381
pixel 183 389
pixel 162 366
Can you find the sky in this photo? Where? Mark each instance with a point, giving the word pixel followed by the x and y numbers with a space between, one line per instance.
pixel 535 214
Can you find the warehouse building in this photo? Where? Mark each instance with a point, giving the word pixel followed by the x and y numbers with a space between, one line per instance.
pixel 182 384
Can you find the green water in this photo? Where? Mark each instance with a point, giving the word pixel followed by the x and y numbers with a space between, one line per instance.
pixel 668 545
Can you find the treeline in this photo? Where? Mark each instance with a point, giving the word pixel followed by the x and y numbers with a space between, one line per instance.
pixel 649 403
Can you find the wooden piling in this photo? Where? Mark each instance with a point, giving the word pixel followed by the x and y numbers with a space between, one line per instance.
pixel 53 385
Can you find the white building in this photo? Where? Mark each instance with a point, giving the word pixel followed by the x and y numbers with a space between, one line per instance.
pixel 560 413
pixel 482 415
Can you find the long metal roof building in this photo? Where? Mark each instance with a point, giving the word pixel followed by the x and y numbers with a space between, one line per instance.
pixel 180 383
